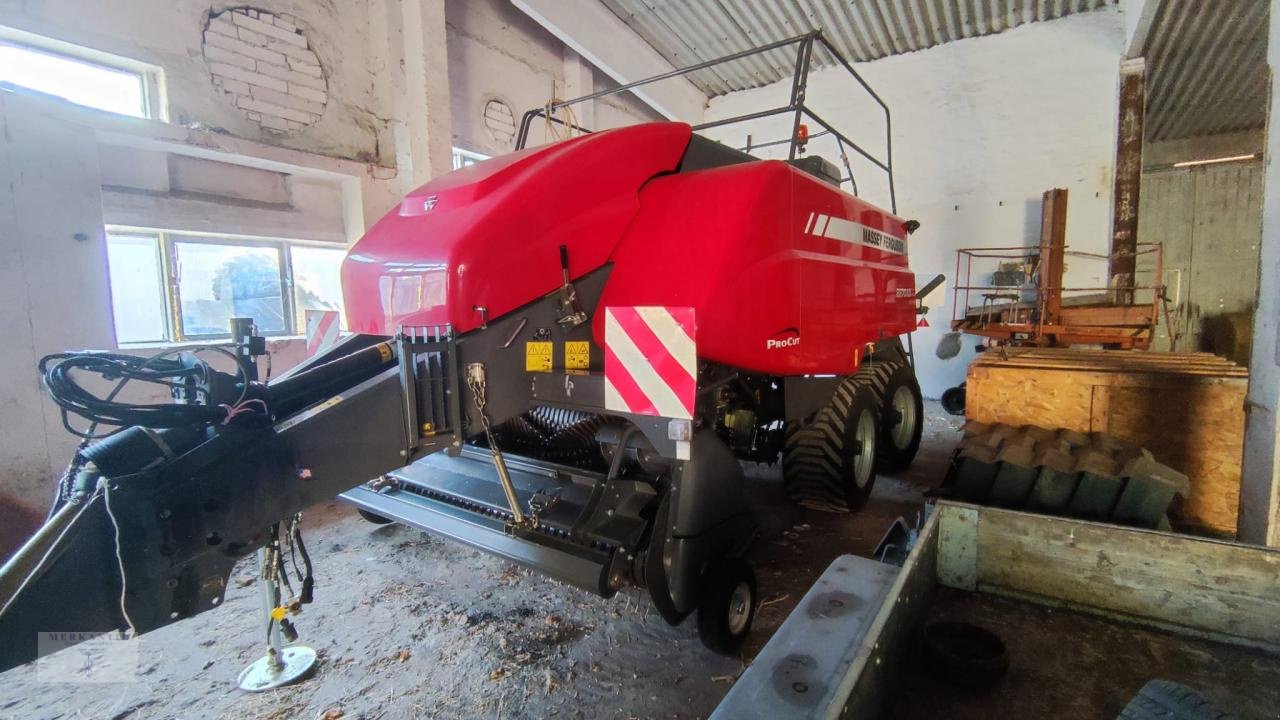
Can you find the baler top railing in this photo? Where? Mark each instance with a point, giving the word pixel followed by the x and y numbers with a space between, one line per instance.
pixel 805 45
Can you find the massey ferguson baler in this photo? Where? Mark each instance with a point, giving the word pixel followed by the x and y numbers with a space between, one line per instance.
pixel 561 356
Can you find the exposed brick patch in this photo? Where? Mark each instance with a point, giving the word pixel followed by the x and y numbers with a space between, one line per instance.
pixel 500 122
pixel 264 65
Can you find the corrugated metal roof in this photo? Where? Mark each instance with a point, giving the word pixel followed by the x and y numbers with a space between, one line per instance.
pixel 1206 68
pixel 686 32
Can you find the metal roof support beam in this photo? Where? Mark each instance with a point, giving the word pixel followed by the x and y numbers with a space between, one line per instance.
pixel 595 33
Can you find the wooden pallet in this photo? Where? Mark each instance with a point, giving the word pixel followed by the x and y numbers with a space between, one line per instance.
pixel 1186 408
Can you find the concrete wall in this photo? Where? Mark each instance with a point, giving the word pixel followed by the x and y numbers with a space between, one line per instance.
pixel 53 270
pixel 1260 481
pixel 981 128
pixel 52 285
pixel 402 78
pixel 170 34
pixel 496 52
pixel 1158 155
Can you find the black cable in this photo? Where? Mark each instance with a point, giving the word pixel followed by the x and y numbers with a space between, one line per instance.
pixel 293 554
pixel 308 582
pixel 72 398
pixel 63 492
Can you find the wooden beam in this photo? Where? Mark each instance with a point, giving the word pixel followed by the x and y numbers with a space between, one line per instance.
pixel 1124 226
pixel 1053 245
pixel 1138 316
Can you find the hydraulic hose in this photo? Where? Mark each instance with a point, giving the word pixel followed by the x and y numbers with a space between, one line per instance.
pixel 293 393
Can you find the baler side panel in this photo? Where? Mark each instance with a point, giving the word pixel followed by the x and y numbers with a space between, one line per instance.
pixel 774 290
pixel 856 286
pixel 489 235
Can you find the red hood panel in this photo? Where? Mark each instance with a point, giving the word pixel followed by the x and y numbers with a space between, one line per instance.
pixel 786 274
pixel 488 235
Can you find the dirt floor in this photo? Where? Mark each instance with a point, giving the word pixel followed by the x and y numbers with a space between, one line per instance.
pixel 411 626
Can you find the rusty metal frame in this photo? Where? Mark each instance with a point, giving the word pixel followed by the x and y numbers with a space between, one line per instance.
pixel 1039 328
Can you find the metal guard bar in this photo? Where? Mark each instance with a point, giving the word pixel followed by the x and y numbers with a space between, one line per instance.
pixel 804 54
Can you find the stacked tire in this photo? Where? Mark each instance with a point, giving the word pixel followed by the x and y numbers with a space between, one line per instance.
pixel 1092 476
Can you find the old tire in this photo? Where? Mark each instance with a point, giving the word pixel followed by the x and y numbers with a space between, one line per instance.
pixel 901 421
pixel 374 518
pixel 1061 472
pixel 726 604
pixel 953 400
pixel 965 655
pixel 829 464
pixel 1167 700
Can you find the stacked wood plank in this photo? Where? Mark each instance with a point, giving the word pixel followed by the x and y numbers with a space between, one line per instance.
pixel 1186 408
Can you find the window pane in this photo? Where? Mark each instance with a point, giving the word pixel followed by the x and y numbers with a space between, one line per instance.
pixel 137 288
pixel 463 158
pixel 217 282
pixel 317 283
pixel 84 83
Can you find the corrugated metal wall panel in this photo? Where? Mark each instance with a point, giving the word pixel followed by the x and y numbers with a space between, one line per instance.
pixel 686 32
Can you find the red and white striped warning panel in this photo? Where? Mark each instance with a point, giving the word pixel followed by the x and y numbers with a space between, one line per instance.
pixel 650 361
pixel 322 330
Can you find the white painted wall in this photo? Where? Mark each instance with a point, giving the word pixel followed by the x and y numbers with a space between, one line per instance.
pixel 981 128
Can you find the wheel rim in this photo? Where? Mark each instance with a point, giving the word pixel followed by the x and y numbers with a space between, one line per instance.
pixel 904 409
pixel 739 608
pixel 864 438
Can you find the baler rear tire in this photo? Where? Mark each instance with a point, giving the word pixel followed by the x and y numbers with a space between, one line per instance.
pixel 829 464
pixel 902 421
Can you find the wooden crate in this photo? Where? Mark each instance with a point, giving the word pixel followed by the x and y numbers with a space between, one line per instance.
pixel 1186 408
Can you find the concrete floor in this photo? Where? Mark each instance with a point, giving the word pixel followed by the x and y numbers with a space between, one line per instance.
pixel 411 626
